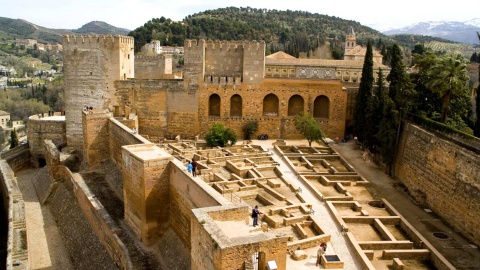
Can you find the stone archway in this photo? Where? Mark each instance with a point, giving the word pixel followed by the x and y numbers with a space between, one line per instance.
pixel 214 105
pixel 321 107
pixel 270 105
pixel 295 105
pixel 236 106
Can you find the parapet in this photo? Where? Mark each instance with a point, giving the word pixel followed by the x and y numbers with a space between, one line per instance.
pixel 82 39
pixel 191 43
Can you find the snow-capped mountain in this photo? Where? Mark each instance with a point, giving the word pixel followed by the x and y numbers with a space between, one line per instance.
pixel 465 32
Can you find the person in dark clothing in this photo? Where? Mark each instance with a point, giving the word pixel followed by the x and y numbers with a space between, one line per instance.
pixel 255 214
pixel 194 167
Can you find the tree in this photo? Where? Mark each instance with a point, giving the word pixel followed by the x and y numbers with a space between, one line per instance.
pixel 249 129
pixel 363 96
pixel 448 78
pixel 218 135
pixel 476 130
pixel 387 132
pixel 309 128
pixel 13 139
pixel 401 89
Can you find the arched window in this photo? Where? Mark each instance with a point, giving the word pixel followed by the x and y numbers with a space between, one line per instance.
pixel 295 105
pixel 270 105
pixel 321 107
pixel 236 106
pixel 214 105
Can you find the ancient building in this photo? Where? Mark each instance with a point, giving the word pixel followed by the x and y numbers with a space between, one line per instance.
pixel 221 82
pixel 91 65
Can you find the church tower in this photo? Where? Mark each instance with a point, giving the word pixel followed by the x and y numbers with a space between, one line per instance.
pixel 351 40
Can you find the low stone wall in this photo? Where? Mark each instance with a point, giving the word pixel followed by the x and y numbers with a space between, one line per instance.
pixel 17 158
pixel 45 128
pixel 121 135
pixel 443 175
pixel 94 234
pixel 14 208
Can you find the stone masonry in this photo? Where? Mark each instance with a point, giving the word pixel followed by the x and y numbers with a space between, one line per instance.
pixel 442 175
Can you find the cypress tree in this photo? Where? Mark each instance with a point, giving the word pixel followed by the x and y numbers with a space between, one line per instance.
pixel 13 139
pixel 387 133
pixel 401 89
pixel 362 99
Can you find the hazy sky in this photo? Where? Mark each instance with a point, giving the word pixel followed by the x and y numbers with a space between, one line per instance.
pixel 72 14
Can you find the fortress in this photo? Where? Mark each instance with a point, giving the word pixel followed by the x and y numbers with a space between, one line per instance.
pixel 122 187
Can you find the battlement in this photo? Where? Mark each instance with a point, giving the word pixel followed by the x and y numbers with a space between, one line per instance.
pixel 78 39
pixel 151 57
pixel 223 45
pixel 192 43
pixel 222 80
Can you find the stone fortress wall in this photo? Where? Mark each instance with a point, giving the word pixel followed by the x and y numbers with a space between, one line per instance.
pixel 91 65
pixel 442 175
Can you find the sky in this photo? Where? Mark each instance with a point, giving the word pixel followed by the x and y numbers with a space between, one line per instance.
pixel 72 14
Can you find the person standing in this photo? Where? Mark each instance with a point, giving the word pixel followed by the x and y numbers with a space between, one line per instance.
pixel 320 252
pixel 255 214
pixel 189 167
pixel 194 167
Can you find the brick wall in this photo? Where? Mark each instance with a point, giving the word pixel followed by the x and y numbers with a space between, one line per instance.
pixel 442 175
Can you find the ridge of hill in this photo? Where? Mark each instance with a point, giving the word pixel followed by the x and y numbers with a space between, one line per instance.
pixel 291 31
pixel 19 28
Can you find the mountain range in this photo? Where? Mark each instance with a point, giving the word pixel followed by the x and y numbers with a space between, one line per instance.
pixel 19 28
pixel 464 32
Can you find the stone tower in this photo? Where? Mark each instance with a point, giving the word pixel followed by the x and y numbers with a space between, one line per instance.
pixel 91 65
pixel 351 40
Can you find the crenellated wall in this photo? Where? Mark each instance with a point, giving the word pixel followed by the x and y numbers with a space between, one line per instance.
pixel 91 65
pixel 442 175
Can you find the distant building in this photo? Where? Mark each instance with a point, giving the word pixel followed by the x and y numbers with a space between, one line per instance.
pixel 356 52
pixel 4 118
pixel 3 82
pixel 29 43
pixel 154 48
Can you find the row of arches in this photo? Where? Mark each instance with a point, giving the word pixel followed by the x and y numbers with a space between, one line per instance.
pixel 296 105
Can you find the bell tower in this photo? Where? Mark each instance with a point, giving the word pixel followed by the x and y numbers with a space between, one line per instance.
pixel 351 41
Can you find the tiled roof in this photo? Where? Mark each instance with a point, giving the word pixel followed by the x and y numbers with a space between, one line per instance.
pixel 280 55
pixel 318 62
pixel 4 113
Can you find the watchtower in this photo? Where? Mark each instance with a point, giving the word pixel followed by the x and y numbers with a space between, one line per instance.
pixel 91 65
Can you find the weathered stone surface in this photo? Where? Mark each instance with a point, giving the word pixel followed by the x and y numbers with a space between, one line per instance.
pixel 299 255
pixel 442 175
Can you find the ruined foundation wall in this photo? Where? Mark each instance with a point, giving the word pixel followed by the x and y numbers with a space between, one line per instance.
pixel 442 175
